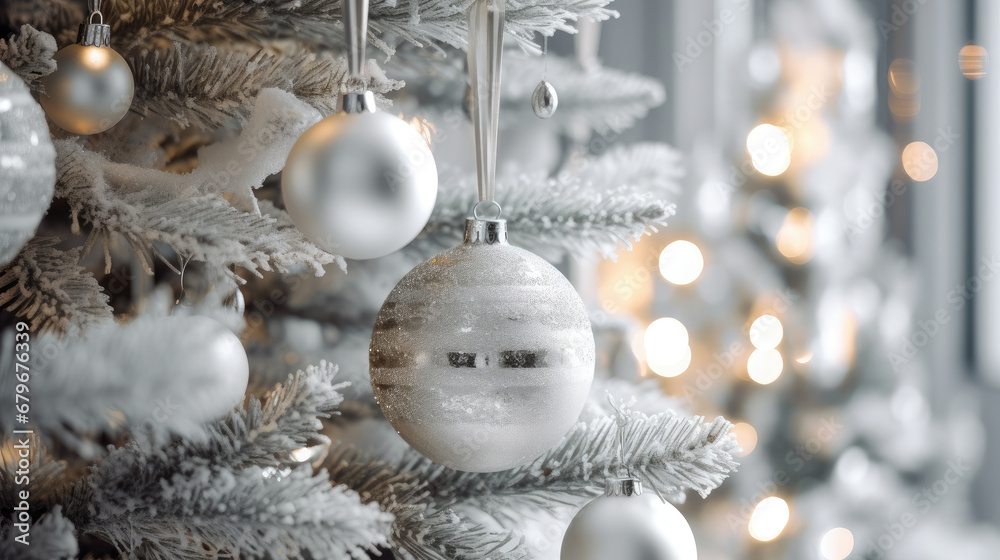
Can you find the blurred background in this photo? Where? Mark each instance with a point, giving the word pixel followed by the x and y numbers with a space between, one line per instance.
pixel 828 280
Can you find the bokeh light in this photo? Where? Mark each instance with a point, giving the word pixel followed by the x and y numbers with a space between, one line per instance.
pixel 795 238
pixel 770 149
pixel 920 161
pixel 764 366
pixel 769 519
pixel 681 262
pixel 672 369
pixel 666 345
pixel 973 61
pixel 837 544
pixel 746 437
pixel 766 332
pixel 904 89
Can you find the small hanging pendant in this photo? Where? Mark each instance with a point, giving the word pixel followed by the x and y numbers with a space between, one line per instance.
pixel 544 100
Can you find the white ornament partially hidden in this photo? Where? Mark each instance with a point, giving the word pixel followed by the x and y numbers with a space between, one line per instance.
pixel 219 354
pixel 482 357
pixel 627 524
pixel 27 165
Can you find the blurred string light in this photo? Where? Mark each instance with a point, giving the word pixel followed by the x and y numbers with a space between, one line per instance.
pixel 973 61
pixel 795 238
pixel 666 347
pixel 746 438
pixel 920 161
pixel 837 544
pixel 770 149
pixel 681 262
pixel 764 366
pixel 804 358
pixel 766 332
pixel 769 519
pixel 904 89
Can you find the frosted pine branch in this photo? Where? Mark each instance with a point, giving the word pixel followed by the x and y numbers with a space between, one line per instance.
pixel 196 84
pixel 116 198
pixel 51 538
pixel 48 288
pixel 421 22
pixel 604 202
pixel 671 454
pixel 421 530
pixel 29 54
pixel 153 509
pixel 267 431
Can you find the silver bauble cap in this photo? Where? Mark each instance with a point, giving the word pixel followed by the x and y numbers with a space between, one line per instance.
pixel 627 486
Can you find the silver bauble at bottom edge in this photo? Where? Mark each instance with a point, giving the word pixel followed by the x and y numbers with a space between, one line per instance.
pixel 482 357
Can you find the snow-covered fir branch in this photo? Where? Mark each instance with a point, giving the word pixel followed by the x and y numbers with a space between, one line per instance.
pixel 420 530
pixel 670 453
pixel 29 54
pixel 200 85
pixel 151 509
pixel 47 287
pixel 604 202
pixel 114 199
pixel 421 22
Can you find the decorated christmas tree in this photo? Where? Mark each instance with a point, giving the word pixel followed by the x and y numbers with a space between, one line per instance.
pixel 206 207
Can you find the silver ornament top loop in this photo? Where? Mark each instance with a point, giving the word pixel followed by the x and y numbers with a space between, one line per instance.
pixel 94 34
pixel 485 58
pixel 363 102
pixel 356 32
pixel 493 203
pixel 485 232
pixel 629 486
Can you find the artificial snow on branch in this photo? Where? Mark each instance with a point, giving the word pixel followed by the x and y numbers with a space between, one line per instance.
pixel 29 54
pixel 672 454
pixel 48 288
pixel 152 509
pixel 199 85
pixel 115 198
pixel 604 202
pixel 421 22
pixel 420 530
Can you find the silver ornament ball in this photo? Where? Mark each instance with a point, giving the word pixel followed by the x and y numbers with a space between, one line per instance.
pixel 360 184
pixel 628 524
pixel 482 357
pixel 27 165
pixel 220 355
pixel 90 90
pixel 544 100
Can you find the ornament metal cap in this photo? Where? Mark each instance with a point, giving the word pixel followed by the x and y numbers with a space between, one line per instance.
pixel 94 34
pixel 485 232
pixel 623 487
pixel 360 102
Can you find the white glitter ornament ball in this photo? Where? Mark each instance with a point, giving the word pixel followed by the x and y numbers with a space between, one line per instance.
pixel 482 357
pixel 360 183
pixel 626 525
pixel 27 165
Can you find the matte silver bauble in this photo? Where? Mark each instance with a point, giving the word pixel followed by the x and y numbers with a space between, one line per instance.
pixel 27 165
pixel 482 357
pixel 544 100
pixel 627 524
pixel 90 90
pixel 220 354
pixel 361 185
